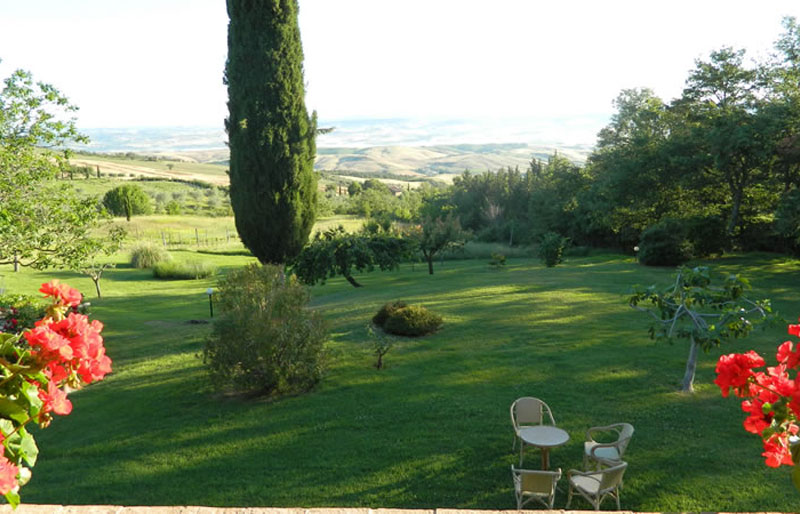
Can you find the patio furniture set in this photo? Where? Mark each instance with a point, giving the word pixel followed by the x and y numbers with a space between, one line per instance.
pixel 603 466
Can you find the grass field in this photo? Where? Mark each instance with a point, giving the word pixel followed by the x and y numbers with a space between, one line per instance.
pixel 433 428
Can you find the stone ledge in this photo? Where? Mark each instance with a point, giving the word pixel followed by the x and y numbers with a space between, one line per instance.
pixel 118 509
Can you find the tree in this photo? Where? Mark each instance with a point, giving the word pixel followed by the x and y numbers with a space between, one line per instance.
pixel 271 136
pixel 694 309
pixel 127 200
pixel 336 252
pixel 42 223
pixel 437 234
pixel 86 260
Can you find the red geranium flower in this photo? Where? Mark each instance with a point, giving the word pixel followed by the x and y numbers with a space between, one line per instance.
pixel 55 400
pixel 8 475
pixel 62 292
pixel 776 451
pixel 734 369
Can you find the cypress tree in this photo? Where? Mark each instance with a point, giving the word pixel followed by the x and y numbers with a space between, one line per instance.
pixel 270 134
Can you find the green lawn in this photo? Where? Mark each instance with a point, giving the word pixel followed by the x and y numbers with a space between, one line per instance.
pixel 433 428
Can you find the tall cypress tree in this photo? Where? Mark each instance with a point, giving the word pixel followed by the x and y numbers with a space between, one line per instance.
pixel 270 134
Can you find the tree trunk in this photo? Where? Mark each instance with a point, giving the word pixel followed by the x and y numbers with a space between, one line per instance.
pixel 352 281
pixel 430 264
pixel 687 386
pixel 97 286
pixel 737 202
pixel 16 262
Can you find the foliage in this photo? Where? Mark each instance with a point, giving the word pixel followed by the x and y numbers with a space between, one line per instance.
pixel 665 244
pixel 63 353
pixel 271 136
pixel 551 248
pixel 412 320
pixel 694 309
pixel 771 400
pixel 437 234
pixel 498 261
pixel 127 200
pixel 337 252
pixel 183 270
pixel 387 310
pixel 42 222
pixel 19 312
pixel 146 255
pixel 266 341
pixel 787 219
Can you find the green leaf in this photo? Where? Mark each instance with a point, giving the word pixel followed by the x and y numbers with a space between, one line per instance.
pixel 12 410
pixel 31 393
pixel 28 449
pixel 13 499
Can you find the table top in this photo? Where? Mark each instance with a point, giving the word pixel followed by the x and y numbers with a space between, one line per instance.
pixel 544 436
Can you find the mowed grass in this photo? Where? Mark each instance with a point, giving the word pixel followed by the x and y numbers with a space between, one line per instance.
pixel 433 428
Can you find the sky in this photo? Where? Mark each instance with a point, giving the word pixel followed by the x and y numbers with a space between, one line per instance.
pixel 160 62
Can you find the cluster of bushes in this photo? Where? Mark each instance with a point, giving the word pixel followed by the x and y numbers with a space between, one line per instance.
pixel 672 242
pixel 402 319
pixel 266 340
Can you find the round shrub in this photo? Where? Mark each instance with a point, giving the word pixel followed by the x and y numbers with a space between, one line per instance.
pixel 412 320
pixel 145 256
pixel 127 200
pixel 386 311
pixel 266 340
pixel 665 244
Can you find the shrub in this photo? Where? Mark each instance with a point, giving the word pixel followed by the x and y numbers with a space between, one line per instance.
pixel 498 260
pixel 145 256
pixel 406 320
pixel 127 200
pixel 183 270
pixel 551 248
pixel 266 340
pixel 707 235
pixel 19 312
pixel 665 244
pixel 387 310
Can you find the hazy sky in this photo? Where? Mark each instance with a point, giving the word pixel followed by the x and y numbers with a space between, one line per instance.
pixel 160 62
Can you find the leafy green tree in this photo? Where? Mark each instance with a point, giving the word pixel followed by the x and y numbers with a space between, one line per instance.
pixel 87 261
pixel 706 315
pixel 271 136
pixel 437 234
pixel 354 189
pixel 42 223
pixel 337 252
pixel 127 200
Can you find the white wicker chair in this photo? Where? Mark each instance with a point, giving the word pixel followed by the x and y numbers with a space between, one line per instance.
pixel 596 486
pixel 606 454
pixel 535 485
pixel 528 411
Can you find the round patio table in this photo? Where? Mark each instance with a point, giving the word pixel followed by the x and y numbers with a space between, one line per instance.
pixel 544 437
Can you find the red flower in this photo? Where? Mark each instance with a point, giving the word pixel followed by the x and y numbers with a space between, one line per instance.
pixel 55 400
pixel 8 475
pixel 757 421
pixel 776 451
pixel 794 330
pixel 787 356
pixel 733 370
pixel 62 292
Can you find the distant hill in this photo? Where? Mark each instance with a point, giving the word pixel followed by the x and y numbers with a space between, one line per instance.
pixel 393 147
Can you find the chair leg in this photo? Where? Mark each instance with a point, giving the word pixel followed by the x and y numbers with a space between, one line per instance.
pixel 569 496
pixel 617 497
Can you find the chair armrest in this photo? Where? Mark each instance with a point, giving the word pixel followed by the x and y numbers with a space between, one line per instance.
pixel 608 428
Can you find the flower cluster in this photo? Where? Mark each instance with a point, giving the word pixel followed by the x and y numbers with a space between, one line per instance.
pixel 771 396
pixel 63 352
pixel 8 319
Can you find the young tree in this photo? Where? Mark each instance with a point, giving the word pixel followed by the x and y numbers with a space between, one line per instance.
pixel 86 261
pixel 437 234
pixel 694 309
pixel 271 136
pixel 41 222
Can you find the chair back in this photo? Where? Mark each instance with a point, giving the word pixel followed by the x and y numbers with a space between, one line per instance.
pixel 536 481
pixel 612 477
pixel 624 437
pixel 529 411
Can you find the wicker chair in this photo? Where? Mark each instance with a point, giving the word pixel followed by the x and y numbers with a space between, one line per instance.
pixel 535 485
pixel 606 454
pixel 528 411
pixel 596 486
